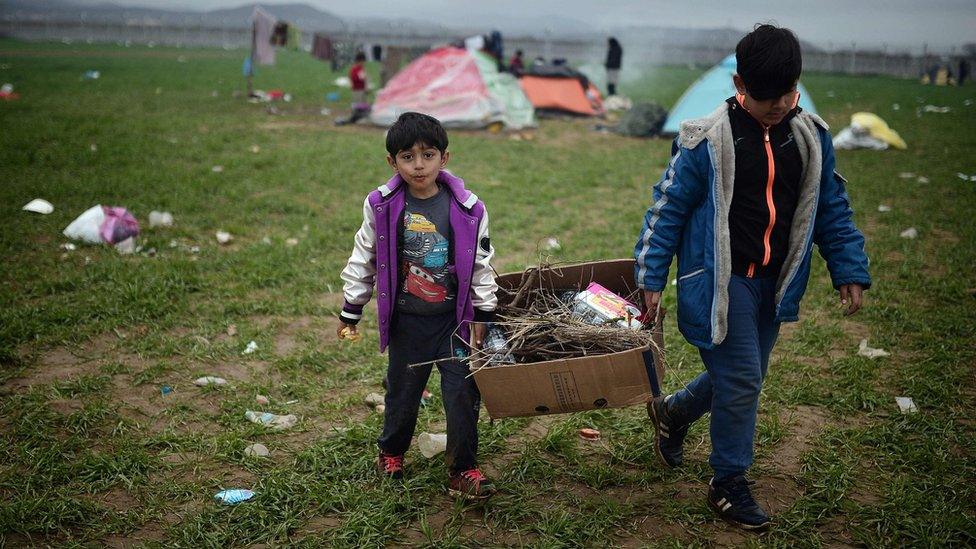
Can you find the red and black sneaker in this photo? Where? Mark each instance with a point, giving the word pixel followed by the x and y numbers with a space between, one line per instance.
pixel 390 466
pixel 471 484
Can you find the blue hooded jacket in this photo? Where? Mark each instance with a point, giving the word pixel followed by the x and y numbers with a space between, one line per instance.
pixel 690 217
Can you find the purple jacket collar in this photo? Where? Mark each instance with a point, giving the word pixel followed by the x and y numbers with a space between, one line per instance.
pixel 454 183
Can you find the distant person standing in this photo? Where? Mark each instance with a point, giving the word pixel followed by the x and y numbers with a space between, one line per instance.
pixel 357 76
pixel 515 65
pixel 963 71
pixel 359 84
pixel 614 55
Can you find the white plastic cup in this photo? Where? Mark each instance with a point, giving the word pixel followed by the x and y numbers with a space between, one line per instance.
pixel 431 444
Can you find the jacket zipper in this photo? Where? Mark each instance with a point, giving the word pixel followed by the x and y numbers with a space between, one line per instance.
pixel 771 169
pixel 691 274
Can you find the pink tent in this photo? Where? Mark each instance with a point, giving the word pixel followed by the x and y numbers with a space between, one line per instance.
pixel 462 89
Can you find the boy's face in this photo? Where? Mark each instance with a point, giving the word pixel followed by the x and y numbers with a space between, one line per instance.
pixel 419 166
pixel 768 111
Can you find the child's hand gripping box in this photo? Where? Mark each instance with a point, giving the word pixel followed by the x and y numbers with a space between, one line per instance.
pixel 615 380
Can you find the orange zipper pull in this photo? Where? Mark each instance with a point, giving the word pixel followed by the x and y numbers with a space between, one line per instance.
pixel 766 134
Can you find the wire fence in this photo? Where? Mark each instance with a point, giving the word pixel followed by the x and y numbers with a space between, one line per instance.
pixel 849 60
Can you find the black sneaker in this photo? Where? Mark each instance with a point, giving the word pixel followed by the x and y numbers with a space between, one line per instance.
pixel 668 439
pixel 732 500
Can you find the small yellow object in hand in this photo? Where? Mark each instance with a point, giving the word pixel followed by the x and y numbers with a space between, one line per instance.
pixel 349 333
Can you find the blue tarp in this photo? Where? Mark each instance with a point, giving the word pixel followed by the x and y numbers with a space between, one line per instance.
pixel 709 91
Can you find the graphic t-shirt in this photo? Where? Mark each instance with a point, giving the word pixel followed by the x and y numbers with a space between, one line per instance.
pixel 428 284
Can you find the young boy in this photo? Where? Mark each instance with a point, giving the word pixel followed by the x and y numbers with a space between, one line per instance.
pixel 424 244
pixel 749 190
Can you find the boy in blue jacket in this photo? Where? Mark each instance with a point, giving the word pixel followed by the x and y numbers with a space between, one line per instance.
pixel 749 190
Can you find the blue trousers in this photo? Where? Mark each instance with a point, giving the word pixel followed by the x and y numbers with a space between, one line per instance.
pixel 419 338
pixel 734 372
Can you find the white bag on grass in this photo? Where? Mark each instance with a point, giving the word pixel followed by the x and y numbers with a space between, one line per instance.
pixel 87 226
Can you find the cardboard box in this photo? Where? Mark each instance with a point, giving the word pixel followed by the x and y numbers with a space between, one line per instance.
pixel 617 380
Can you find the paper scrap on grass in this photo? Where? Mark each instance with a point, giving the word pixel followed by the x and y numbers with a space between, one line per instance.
pixel 906 405
pixel 870 352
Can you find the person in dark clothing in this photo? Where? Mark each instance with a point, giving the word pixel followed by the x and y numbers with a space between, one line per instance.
pixel 516 66
pixel 749 190
pixel 963 71
pixel 615 55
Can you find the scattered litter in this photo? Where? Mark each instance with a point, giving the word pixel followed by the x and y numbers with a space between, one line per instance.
pixel 255 149
pixel 884 208
pixel 374 399
pixel 906 405
pixel 935 109
pixel 232 330
pixel 870 352
pixel 325 111
pixel 266 239
pixel 257 450
pixel 895 106
pixel 291 242
pixel 381 409
pixel 552 244
pixel 425 398
pixel 910 233
pixel 967 102
pixel 151 252
pixel 194 249
pixel 336 431
pixel 674 281
pixel 160 219
pixel 332 96
pixel 7 92
pixel 159 91
pixel 868 131
pixel 431 444
pixel 209 380
pixel 965 177
pixel 251 347
pixel 69 247
pixel 92 75
pixel 181 59
pixel 103 224
pixel 166 389
pixel 214 93
pixel 617 103
pixel 922 179
pixel 589 434
pixel 262 400
pixel 127 246
pixel 273 421
pixel 93 147
pixel 233 497
pixel 201 340
pixel 343 82
pixel 290 402
pixel 217 169
pixel 906 175
pixel 39 205
pixel 224 237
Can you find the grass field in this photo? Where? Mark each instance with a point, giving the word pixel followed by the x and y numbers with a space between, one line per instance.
pixel 92 453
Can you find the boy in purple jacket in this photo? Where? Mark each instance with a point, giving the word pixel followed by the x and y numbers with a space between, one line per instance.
pixel 424 245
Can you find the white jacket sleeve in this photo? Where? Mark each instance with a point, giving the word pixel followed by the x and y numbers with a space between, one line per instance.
pixel 483 285
pixel 359 274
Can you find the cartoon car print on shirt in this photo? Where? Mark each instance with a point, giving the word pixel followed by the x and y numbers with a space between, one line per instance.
pixel 420 283
pixel 418 223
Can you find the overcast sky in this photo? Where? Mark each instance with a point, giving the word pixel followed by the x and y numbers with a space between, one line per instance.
pixel 900 23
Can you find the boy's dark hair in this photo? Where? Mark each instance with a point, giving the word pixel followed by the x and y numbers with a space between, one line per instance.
pixel 768 60
pixel 360 57
pixel 412 128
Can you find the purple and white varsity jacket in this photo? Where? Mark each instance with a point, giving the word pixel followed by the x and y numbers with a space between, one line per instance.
pixel 374 258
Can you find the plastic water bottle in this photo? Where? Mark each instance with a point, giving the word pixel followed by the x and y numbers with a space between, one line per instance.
pixel 497 344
